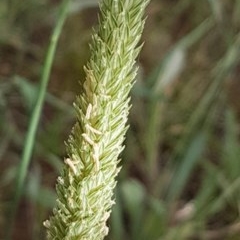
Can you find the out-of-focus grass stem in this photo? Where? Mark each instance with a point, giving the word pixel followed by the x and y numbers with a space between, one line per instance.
pixel 31 133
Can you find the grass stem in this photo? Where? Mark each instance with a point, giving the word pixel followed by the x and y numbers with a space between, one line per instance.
pixel 35 118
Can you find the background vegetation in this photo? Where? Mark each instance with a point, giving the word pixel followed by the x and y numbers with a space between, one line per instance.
pixel 181 165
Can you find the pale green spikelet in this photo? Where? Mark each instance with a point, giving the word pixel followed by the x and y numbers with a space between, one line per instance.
pixel 85 188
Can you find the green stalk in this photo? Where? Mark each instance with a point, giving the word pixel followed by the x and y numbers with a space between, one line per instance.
pixel 85 187
pixel 31 133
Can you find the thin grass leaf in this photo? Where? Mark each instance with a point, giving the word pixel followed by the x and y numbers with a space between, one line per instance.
pixel 133 195
pixel 31 133
pixel 163 76
pixel 231 152
pixel 185 166
pixel 219 74
pixel 117 220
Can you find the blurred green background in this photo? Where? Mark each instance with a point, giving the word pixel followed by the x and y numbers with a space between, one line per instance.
pixel 181 165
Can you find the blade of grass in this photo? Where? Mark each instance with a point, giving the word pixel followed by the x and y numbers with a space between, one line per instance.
pixel 198 118
pixel 155 221
pixel 216 9
pixel 164 74
pixel 227 195
pixel 184 169
pixel 220 201
pixel 231 152
pixel 133 194
pixel 182 45
pixel 225 66
pixel 31 133
pixel 116 219
pixel 229 170
pixel 77 6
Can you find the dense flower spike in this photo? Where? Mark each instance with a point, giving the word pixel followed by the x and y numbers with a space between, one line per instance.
pixel 85 188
